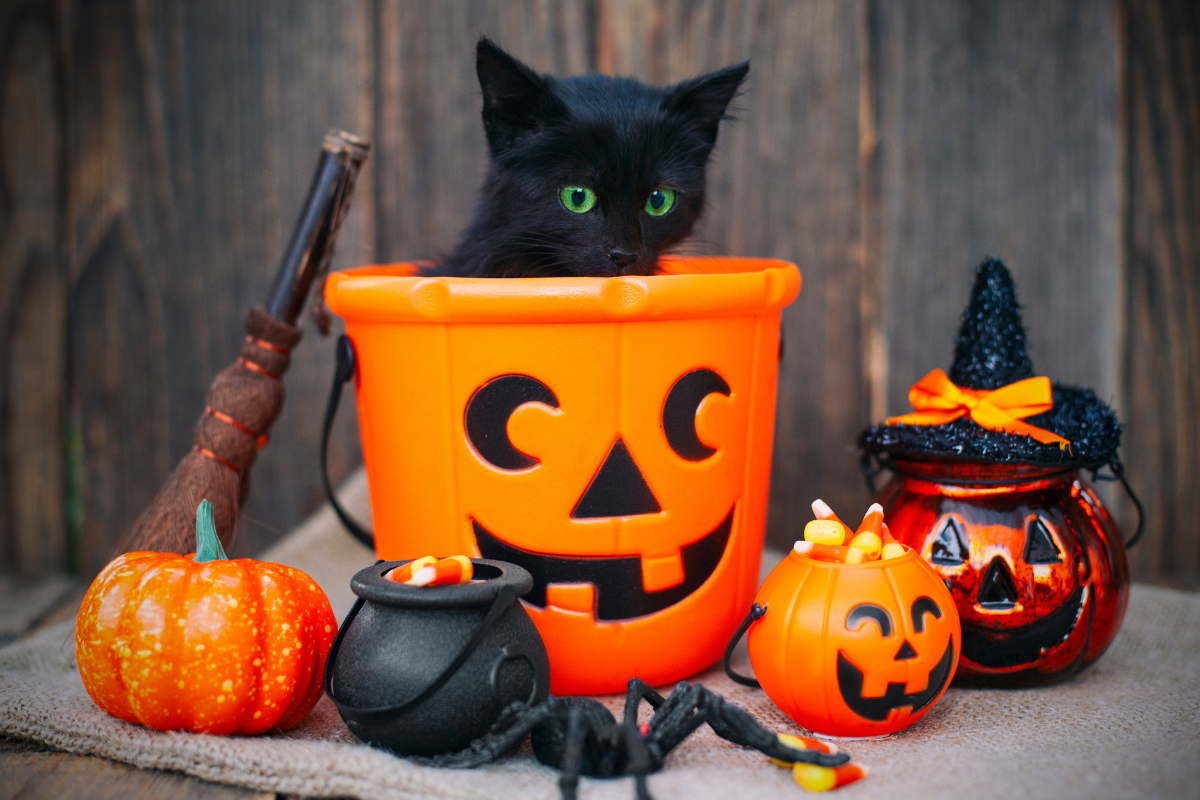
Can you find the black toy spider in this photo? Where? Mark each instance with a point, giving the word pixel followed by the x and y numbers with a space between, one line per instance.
pixel 579 736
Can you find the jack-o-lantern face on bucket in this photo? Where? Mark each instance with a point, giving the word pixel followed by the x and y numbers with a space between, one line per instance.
pixel 854 649
pixel 622 587
pixel 618 485
pixel 612 436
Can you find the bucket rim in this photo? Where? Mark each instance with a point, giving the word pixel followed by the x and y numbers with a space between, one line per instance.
pixel 691 287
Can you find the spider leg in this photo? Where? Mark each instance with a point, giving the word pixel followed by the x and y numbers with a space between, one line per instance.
pixel 641 763
pixel 676 719
pixel 639 691
pixel 735 725
pixel 549 738
pixel 568 781
pixel 514 724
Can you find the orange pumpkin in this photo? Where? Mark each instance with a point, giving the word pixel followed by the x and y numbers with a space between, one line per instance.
pixel 855 649
pixel 202 643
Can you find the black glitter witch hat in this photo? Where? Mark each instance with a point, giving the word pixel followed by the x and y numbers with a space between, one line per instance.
pixel 991 353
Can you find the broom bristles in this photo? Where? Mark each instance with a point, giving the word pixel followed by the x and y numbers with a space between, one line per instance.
pixel 168 525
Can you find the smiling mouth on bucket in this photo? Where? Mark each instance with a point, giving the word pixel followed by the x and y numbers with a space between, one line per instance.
pixel 617 581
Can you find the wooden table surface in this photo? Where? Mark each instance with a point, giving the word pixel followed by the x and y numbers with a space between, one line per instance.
pixel 29 769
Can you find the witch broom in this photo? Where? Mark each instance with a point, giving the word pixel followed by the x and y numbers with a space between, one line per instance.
pixel 246 397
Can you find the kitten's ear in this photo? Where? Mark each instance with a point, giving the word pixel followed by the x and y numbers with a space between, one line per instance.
pixel 703 100
pixel 516 100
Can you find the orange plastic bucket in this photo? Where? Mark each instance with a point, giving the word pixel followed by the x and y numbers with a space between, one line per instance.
pixel 611 435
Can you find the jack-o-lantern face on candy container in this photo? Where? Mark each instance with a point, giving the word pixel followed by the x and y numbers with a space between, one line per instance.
pixel 854 649
pixel 611 436
pixel 985 486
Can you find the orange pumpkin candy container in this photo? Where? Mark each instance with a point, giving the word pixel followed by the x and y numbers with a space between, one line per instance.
pixel 202 643
pixel 612 436
pixel 852 649
pixel 985 486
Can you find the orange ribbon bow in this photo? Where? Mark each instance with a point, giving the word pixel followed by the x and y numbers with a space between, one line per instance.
pixel 937 401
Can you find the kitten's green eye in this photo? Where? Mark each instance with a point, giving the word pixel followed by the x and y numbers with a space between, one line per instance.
pixel 660 202
pixel 579 199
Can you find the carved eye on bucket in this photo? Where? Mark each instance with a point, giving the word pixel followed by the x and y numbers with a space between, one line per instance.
pixel 862 612
pixel 487 418
pixel 922 606
pixel 679 412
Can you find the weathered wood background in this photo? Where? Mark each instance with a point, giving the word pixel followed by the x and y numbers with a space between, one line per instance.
pixel 153 156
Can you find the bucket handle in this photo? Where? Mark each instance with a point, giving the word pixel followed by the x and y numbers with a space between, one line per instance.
pixel 342 373
pixel 381 714
pixel 756 613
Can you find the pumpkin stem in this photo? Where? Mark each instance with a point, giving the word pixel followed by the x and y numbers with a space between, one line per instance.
pixel 208 545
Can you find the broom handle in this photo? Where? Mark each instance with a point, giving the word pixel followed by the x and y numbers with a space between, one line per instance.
pixel 311 247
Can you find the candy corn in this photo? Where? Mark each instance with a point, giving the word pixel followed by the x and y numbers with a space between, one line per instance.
pixel 821 510
pixel 867 542
pixel 822 779
pixel 801 743
pixel 825 531
pixel 404 573
pixel 429 571
pixel 873 521
pixel 828 531
pixel 821 552
pixel 856 555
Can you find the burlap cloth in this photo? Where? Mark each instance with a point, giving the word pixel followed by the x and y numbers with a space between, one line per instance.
pixel 1127 727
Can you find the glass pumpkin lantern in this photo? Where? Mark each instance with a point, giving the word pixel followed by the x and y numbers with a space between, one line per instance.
pixel 994 500
pixel 1034 562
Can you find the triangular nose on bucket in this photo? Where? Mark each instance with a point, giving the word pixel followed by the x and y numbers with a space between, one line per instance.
pixel 618 490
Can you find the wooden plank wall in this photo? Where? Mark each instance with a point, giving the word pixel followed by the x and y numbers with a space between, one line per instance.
pixel 153 157
pixel 1159 357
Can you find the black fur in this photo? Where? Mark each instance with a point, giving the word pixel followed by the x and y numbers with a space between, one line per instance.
pixel 616 136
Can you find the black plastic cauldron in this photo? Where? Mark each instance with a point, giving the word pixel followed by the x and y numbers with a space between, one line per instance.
pixel 427 670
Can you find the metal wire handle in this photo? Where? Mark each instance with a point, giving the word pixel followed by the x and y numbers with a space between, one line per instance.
pixel 756 613
pixel 505 597
pixel 342 373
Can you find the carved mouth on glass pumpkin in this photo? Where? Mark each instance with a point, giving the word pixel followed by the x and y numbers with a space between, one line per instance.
pixel 850 684
pixel 617 581
pixel 1012 647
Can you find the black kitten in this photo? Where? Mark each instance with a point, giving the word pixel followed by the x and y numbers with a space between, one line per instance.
pixel 590 175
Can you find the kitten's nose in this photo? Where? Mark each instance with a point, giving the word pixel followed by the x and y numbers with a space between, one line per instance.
pixel 621 259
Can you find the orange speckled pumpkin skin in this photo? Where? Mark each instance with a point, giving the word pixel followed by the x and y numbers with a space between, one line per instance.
pixel 226 647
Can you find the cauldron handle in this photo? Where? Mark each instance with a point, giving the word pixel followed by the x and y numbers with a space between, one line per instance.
pixel 504 598
pixel 511 653
pixel 342 373
pixel 756 613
